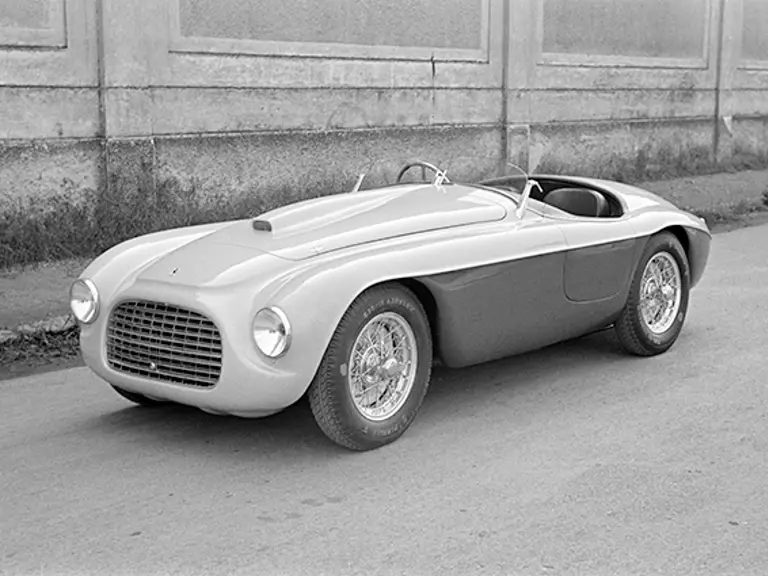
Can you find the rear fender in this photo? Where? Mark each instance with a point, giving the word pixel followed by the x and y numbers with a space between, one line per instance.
pixel 692 231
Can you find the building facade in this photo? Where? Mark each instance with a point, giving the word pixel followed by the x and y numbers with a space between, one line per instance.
pixel 275 95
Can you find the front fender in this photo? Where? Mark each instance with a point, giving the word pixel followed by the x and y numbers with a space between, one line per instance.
pixel 315 303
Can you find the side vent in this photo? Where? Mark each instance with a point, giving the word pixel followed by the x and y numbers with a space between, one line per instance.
pixel 262 226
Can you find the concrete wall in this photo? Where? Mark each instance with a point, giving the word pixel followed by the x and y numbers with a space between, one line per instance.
pixel 49 118
pixel 745 85
pixel 265 96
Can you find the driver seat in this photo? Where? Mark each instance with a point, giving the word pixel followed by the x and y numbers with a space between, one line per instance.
pixel 579 202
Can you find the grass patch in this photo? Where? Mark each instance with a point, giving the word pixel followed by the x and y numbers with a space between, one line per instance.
pixel 733 216
pixel 40 352
pixel 659 163
pixel 74 223
pixel 71 223
pixel 31 348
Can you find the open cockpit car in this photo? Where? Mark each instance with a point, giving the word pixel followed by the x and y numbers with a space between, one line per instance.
pixel 348 299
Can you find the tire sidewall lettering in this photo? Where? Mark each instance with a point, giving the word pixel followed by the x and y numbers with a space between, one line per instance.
pixel 402 418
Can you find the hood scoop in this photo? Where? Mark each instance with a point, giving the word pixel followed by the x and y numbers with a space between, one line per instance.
pixel 262 225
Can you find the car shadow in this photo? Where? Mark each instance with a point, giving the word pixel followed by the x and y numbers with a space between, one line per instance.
pixel 527 370
pixel 176 427
pixel 293 434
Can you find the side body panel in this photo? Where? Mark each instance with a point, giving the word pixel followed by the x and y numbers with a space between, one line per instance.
pixel 499 288
pixel 503 309
pixel 599 272
pixel 506 308
pixel 596 270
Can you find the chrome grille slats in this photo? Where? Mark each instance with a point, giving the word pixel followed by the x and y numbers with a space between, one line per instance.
pixel 124 332
pixel 159 346
pixel 164 342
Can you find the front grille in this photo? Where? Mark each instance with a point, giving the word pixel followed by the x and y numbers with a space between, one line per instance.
pixel 164 342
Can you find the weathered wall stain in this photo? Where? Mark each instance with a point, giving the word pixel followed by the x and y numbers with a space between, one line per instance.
pixel 232 110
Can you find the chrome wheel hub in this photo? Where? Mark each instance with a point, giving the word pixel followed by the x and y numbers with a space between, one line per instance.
pixel 660 292
pixel 382 366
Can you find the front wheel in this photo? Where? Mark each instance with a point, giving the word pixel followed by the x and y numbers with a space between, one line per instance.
pixel 376 370
pixel 658 298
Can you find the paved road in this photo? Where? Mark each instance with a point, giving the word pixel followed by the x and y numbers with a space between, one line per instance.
pixel 573 460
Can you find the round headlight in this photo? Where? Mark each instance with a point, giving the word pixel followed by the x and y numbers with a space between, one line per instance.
pixel 272 332
pixel 84 300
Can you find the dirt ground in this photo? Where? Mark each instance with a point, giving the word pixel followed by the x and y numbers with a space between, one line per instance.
pixel 37 292
pixel 712 192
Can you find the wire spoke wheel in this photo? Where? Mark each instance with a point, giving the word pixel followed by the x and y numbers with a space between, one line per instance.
pixel 382 366
pixel 376 370
pixel 660 292
pixel 657 302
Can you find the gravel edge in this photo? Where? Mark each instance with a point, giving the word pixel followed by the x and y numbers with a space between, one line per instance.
pixel 39 344
pixel 55 325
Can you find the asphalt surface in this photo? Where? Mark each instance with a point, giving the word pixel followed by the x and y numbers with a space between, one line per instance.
pixel 573 460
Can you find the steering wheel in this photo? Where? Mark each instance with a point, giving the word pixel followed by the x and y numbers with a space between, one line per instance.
pixel 424 167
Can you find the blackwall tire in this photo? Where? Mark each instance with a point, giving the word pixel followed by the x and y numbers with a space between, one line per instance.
pixel 383 329
pixel 636 329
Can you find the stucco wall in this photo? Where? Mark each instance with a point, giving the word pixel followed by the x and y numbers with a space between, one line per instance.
pixel 262 96
pixel 746 87
pixel 403 23
pixel 49 118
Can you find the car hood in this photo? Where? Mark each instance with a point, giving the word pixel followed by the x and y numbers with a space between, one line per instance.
pixel 202 263
pixel 322 225
pixel 230 253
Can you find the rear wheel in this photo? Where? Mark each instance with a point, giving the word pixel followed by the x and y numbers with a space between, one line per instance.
pixel 376 370
pixel 139 399
pixel 658 298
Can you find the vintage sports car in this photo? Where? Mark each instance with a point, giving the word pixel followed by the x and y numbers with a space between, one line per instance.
pixel 350 298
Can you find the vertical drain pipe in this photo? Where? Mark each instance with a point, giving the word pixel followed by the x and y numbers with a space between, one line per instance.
pixel 101 78
pixel 718 79
pixel 505 44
